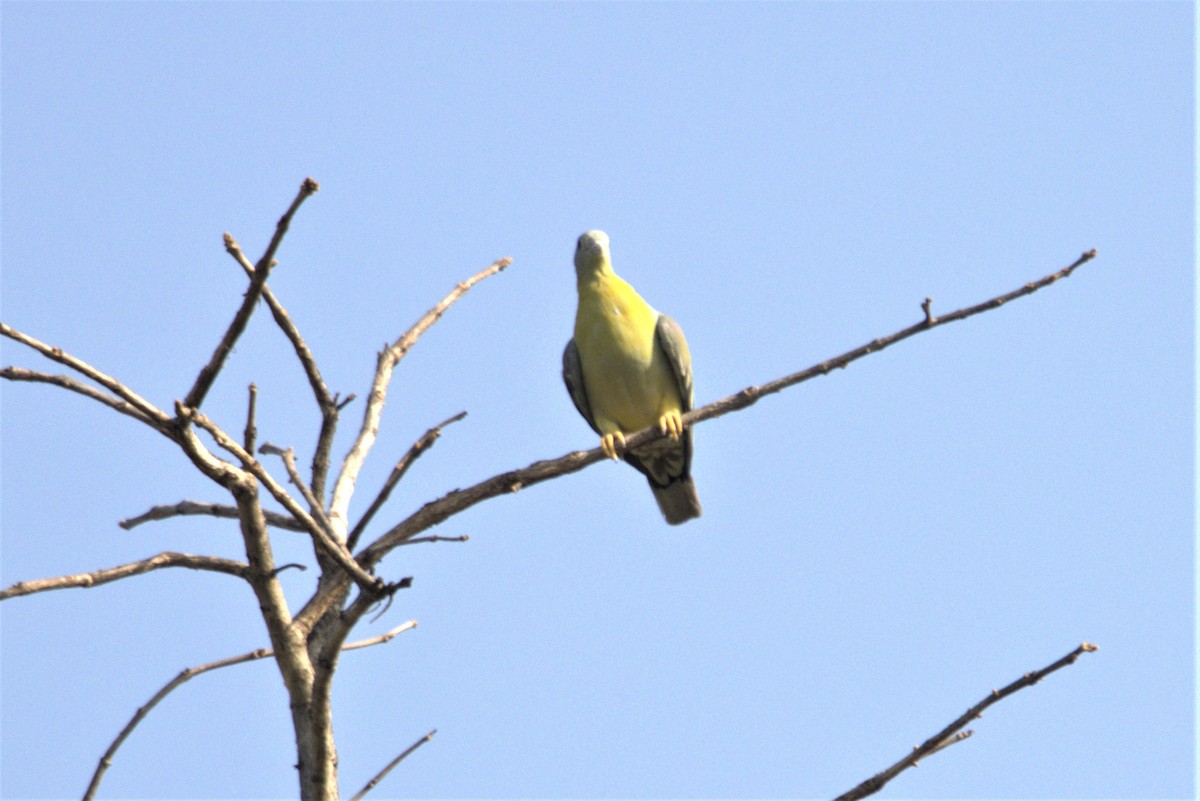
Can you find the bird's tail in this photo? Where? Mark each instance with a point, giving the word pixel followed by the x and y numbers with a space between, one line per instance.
pixel 678 500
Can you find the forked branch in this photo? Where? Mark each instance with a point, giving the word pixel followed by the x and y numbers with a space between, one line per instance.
pixel 152 414
pixel 190 673
pixel 208 373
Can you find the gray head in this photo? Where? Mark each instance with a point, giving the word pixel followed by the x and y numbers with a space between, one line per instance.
pixel 591 252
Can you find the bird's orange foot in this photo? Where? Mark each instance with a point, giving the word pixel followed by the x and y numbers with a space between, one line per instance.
pixel 671 423
pixel 613 445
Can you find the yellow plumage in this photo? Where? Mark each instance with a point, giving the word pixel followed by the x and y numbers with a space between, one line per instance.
pixel 628 368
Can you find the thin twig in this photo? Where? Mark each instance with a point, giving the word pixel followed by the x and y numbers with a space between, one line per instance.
pixel 380 638
pixel 248 462
pixel 186 508
pixel 419 447
pixel 96 577
pixel 208 373
pixel 953 733
pixel 385 364
pixel 417 540
pixel 187 674
pixel 369 786
pixel 191 673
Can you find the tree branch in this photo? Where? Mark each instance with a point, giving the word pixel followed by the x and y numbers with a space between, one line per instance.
pixel 88 391
pixel 369 786
pixel 386 363
pixel 96 577
pixel 208 373
pixel 190 673
pixel 952 733
pixel 187 508
pixel 751 395
pixel 419 447
pixel 154 416
pixel 456 501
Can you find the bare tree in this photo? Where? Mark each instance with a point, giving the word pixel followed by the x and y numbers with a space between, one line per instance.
pixel 306 647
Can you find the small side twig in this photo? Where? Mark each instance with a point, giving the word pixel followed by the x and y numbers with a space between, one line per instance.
pixel 369 786
pixel 419 447
pixel 416 540
pixel 251 433
pixel 95 578
pixel 953 733
pixel 188 674
pixel 949 741
pixel 288 456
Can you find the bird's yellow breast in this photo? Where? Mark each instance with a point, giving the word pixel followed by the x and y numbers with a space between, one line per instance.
pixel 629 383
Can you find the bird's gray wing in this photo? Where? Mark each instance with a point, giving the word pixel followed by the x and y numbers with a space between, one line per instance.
pixel 666 461
pixel 572 372
pixel 669 337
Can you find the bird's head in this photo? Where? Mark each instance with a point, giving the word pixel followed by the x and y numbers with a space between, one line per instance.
pixel 591 252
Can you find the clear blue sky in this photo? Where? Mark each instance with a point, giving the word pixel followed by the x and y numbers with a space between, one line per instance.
pixel 879 547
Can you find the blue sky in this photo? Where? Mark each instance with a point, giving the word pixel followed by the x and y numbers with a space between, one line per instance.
pixel 879 547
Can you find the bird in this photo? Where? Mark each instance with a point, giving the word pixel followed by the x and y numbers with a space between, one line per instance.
pixel 626 368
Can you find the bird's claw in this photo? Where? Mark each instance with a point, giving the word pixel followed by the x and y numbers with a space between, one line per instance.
pixel 671 423
pixel 613 445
